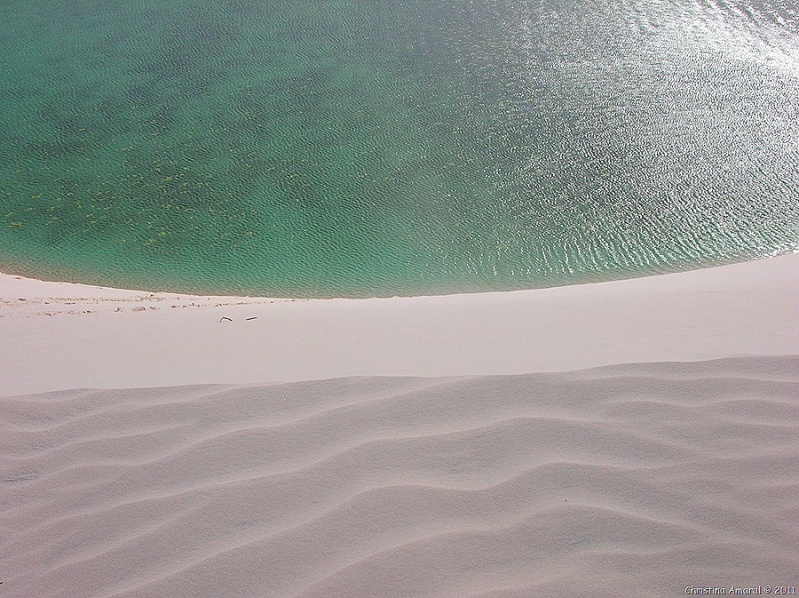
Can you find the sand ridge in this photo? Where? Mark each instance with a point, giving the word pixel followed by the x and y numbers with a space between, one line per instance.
pixel 162 340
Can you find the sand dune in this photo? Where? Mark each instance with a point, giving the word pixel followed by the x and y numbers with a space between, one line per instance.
pixel 627 480
pixel 442 470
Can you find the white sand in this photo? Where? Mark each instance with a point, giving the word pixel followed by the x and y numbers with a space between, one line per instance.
pixel 744 309
pixel 629 480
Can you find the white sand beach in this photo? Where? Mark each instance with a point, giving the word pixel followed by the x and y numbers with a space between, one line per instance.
pixel 630 438
pixel 59 336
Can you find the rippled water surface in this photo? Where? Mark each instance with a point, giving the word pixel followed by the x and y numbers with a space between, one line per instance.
pixel 354 148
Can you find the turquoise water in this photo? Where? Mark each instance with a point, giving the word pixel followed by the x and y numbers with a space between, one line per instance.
pixel 353 148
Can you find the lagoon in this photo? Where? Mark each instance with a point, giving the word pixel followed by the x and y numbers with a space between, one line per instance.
pixel 352 149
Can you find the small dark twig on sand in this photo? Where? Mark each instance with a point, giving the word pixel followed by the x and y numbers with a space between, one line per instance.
pixel 253 318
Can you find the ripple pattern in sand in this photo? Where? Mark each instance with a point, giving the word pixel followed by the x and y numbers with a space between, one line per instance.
pixel 617 481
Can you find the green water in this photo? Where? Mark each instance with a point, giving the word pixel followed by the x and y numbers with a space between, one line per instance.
pixel 353 148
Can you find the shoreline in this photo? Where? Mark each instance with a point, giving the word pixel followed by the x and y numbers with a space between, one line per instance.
pixel 13 283
pixel 64 335
pixel 21 296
